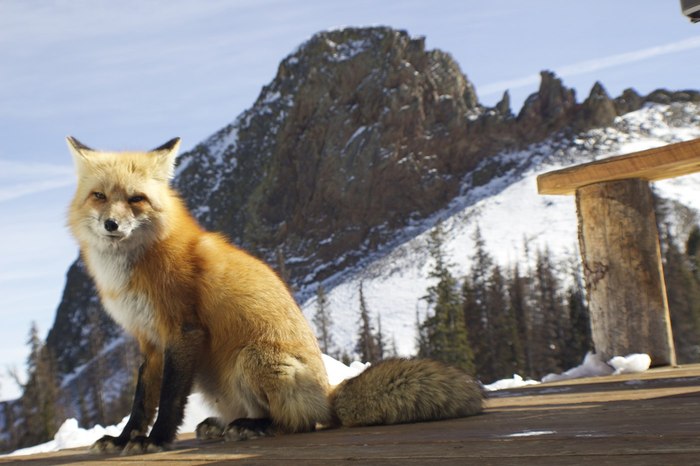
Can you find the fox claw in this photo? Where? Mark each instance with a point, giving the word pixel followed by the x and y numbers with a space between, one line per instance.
pixel 139 445
pixel 108 444
pixel 246 429
pixel 211 428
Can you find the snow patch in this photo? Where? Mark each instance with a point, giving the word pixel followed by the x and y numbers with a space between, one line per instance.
pixel 337 371
pixel 347 50
pixel 69 435
pixel 592 366
pixel 515 382
pixel 631 364
pixel 531 433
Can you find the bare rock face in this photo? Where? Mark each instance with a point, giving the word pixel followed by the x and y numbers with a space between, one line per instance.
pixel 547 111
pixel 361 130
pixel 597 111
pixel 629 101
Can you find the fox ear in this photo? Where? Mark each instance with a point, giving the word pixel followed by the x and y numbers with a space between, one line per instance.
pixel 81 153
pixel 165 156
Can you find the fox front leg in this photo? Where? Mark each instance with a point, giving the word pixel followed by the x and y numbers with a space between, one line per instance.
pixel 144 406
pixel 179 364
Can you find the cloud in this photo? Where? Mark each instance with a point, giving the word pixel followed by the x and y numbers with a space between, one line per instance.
pixel 14 170
pixel 22 179
pixel 19 190
pixel 589 66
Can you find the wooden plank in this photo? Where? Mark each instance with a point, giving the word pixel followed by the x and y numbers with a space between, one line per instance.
pixel 668 161
pixel 641 419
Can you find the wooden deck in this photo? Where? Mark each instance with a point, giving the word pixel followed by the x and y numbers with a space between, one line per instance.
pixel 643 419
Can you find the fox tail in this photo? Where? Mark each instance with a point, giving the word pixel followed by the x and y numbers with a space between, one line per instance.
pixel 396 391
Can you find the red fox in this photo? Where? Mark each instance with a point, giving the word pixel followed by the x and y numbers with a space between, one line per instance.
pixel 208 315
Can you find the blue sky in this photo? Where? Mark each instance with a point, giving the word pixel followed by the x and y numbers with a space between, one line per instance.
pixel 134 73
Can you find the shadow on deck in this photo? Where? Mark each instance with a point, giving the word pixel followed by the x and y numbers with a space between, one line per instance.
pixel 643 419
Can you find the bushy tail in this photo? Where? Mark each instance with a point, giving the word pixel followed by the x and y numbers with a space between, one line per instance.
pixel 397 391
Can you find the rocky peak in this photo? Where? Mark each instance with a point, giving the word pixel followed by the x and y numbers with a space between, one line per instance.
pixel 360 130
pixel 503 105
pixel 628 101
pixel 549 109
pixel 598 110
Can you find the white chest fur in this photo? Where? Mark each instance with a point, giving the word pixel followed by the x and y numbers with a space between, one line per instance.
pixel 130 309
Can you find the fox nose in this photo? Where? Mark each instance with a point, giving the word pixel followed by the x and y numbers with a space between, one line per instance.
pixel 111 225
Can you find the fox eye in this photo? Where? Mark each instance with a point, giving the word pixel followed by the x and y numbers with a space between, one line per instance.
pixel 135 199
pixel 99 196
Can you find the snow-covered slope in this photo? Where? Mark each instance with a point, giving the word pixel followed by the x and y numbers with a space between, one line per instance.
pixel 510 214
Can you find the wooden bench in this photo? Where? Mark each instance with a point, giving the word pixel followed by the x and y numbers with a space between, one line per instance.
pixel 619 244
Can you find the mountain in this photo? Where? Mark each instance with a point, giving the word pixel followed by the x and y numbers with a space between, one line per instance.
pixel 350 155
pixel 514 220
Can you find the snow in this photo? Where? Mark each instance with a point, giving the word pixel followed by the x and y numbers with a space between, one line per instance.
pixel 630 364
pixel 592 366
pixel 69 435
pixel 337 371
pixel 347 50
pixel 531 433
pixel 515 382
pixel 355 135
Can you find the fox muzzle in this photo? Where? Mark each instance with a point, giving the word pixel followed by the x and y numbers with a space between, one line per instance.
pixel 111 225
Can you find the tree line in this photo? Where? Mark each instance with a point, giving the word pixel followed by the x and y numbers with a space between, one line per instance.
pixel 530 319
pixel 493 323
pixel 496 322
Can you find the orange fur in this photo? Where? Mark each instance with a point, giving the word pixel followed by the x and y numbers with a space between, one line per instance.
pixel 259 357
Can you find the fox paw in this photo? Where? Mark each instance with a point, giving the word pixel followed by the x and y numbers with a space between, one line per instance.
pixel 246 429
pixel 108 444
pixel 140 445
pixel 212 428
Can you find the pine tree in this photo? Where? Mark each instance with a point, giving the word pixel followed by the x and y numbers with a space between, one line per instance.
pixel 506 347
pixel 692 250
pixel 39 400
pixel 581 340
pixel 552 329
pixel 324 322
pixel 367 340
pixel 475 308
pixel 393 350
pixel 518 303
pixel 379 337
pixel 683 292
pixel 445 331
pixel 422 340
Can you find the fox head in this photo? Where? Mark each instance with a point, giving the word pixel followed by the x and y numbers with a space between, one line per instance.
pixel 122 197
